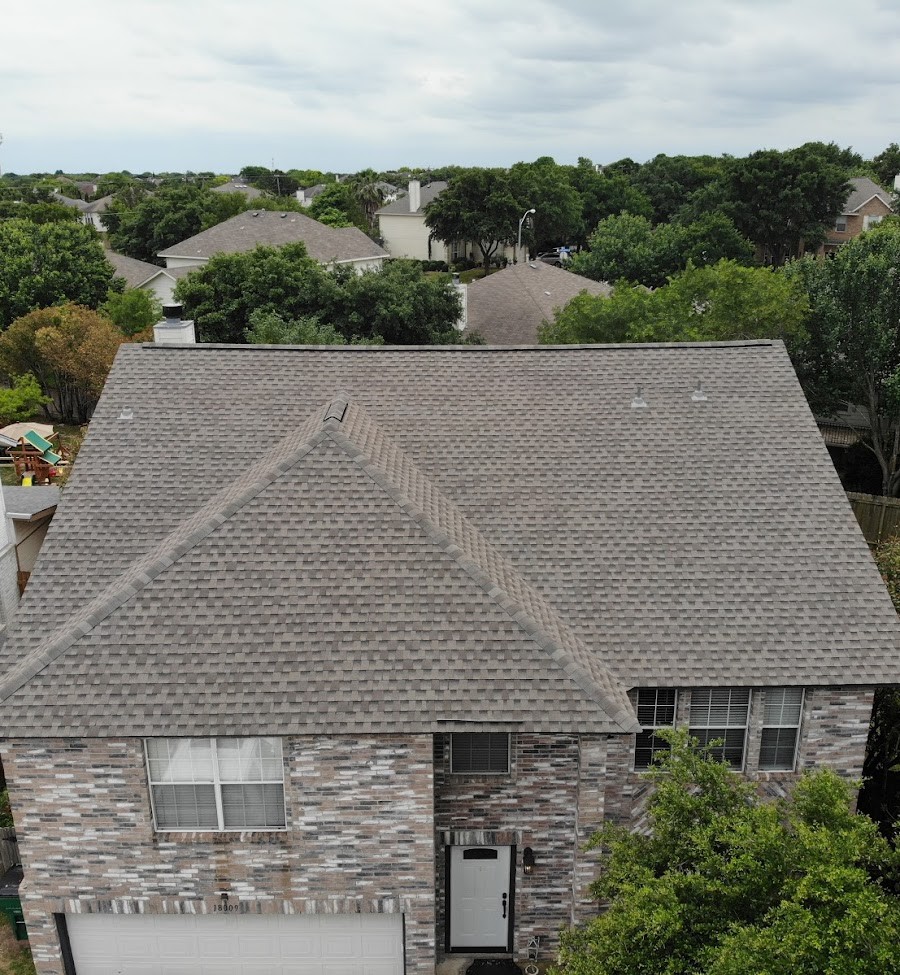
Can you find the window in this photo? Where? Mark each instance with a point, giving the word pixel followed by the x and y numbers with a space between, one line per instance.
pixel 655 709
pixel 216 783
pixel 781 727
pixel 479 752
pixel 840 225
pixel 719 713
pixel 872 219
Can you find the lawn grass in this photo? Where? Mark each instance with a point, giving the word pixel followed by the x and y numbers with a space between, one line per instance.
pixel 15 956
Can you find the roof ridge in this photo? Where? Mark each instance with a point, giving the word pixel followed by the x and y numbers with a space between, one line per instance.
pixel 177 543
pixel 446 525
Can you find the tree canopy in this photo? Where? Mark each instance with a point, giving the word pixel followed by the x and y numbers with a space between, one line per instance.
pixel 69 349
pixel 477 206
pixel 853 355
pixel 724 302
pixel 397 303
pixel 726 884
pixel 45 264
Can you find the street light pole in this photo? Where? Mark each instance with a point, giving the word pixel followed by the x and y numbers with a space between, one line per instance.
pixel 525 216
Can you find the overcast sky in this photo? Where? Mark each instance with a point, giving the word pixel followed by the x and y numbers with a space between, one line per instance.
pixel 195 84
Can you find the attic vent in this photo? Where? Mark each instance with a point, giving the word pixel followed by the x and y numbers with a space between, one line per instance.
pixel 256 213
pixel 638 403
pixel 283 216
pixel 698 395
pixel 532 264
pixel 547 293
pixel 337 409
pixel 126 414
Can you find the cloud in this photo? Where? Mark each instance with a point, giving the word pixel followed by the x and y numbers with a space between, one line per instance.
pixel 468 82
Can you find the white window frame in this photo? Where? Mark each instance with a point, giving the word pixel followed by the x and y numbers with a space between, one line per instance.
pixel 728 725
pixel 840 225
pixel 872 220
pixel 767 726
pixel 506 771
pixel 653 727
pixel 217 783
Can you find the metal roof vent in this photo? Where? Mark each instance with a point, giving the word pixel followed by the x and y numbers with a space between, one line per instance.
pixel 638 403
pixel 126 414
pixel 698 396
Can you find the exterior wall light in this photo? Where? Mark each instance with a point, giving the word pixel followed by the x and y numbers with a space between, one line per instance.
pixel 528 861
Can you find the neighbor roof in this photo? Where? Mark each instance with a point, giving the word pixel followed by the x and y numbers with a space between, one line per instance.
pixel 509 306
pixel 400 206
pixel 235 186
pixel 23 503
pixel 863 191
pixel 276 228
pixel 133 271
pixel 397 539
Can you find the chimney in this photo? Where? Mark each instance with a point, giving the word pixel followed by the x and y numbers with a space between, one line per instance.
pixel 415 195
pixel 173 330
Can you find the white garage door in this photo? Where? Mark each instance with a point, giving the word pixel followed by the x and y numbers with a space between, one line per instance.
pixel 236 944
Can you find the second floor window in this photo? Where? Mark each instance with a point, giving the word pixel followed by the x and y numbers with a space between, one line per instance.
pixel 721 713
pixel 655 709
pixel 216 783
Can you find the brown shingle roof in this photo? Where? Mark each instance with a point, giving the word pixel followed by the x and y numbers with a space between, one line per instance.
pixel 254 227
pixel 133 271
pixel 485 534
pixel 509 306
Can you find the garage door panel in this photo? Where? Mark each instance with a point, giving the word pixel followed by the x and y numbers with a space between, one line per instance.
pixel 240 944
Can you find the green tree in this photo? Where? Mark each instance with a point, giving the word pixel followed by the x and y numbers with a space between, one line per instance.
pixel 338 206
pixel 133 311
pixel 887 166
pixel 268 328
pixel 22 400
pixel 69 349
pixel 783 201
pixel 44 264
pixel 726 884
pixel 723 302
pixel 141 224
pixel 853 355
pixel 273 181
pixel 604 193
pixel 630 247
pixel 368 195
pixel 477 206
pixel 669 182
pixel 548 188
pixel 396 304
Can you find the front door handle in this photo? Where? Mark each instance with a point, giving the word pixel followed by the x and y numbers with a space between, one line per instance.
pixel 504 905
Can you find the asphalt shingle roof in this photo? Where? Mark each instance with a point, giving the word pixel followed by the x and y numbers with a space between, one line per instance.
pixel 24 502
pixel 474 534
pixel 274 228
pixel 509 306
pixel 863 191
pixel 133 271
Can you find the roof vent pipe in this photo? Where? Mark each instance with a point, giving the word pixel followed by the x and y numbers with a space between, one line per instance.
pixel 638 403
pixel 698 396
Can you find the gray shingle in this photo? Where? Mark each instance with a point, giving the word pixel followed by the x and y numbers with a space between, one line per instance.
pixel 479 524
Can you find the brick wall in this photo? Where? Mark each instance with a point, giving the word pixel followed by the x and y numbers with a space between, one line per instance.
pixel 359 838
pixel 833 731
pixel 542 804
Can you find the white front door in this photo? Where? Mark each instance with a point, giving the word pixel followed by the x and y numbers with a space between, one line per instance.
pixel 480 910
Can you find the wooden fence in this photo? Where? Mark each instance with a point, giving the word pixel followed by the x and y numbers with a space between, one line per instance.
pixel 9 850
pixel 879 518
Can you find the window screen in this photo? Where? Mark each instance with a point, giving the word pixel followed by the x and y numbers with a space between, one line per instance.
pixel 721 713
pixel 781 727
pixel 655 709
pixel 216 783
pixel 479 752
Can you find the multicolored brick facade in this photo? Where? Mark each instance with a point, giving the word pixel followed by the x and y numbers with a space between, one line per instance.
pixel 368 823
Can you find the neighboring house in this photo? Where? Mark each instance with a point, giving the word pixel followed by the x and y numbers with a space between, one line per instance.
pixel 25 516
pixel 327 245
pixel 91 213
pixel 509 306
pixel 867 205
pixel 236 186
pixel 405 234
pixel 306 196
pixel 374 638
pixel 160 281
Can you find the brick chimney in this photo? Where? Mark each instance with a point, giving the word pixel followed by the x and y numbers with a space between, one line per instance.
pixel 173 329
